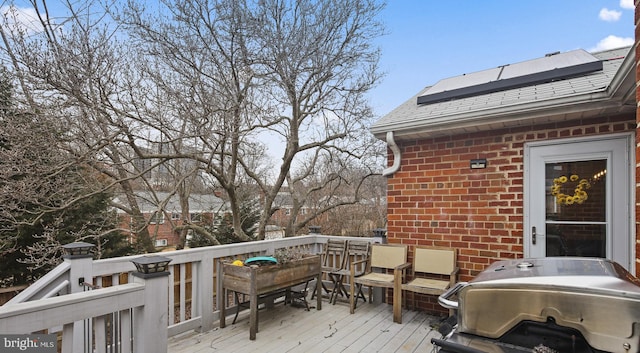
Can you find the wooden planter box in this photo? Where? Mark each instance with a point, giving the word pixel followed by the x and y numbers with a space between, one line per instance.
pixel 258 280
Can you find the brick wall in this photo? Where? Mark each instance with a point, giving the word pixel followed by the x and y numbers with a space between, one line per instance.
pixel 436 199
pixel 637 191
pixel 166 229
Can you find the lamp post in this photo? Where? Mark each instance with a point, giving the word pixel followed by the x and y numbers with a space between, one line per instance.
pixel 151 266
pixel 150 320
pixel 79 255
pixel 77 250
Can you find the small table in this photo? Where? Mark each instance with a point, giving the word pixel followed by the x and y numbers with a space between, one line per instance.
pixel 258 280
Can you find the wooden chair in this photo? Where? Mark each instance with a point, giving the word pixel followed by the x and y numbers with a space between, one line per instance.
pixel 357 251
pixel 334 258
pixel 386 257
pixel 434 270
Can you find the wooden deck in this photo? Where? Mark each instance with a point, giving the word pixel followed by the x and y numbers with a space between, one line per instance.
pixel 286 328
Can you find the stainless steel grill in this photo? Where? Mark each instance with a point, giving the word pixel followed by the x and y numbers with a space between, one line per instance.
pixel 559 304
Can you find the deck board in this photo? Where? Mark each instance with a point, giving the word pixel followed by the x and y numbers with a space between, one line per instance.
pixel 286 328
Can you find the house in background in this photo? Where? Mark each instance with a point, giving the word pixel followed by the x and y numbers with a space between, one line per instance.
pixel 531 159
pixel 163 213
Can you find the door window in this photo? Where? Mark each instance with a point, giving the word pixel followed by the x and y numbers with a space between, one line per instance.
pixel 576 196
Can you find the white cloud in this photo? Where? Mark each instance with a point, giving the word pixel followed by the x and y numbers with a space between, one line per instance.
pixel 627 4
pixel 609 15
pixel 24 19
pixel 611 42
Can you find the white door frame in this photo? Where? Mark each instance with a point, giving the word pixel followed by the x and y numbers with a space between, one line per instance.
pixel 552 150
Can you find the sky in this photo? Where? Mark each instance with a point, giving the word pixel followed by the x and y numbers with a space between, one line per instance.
pixel 429 40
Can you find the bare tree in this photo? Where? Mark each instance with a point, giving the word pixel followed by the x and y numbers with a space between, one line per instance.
pixel 295 70
pixel 32 173
pixel 208 79
pixel 200 59
pixel 46 198
pixel 338 192
pixel 74 70
pixel 321 61
pixel 81 69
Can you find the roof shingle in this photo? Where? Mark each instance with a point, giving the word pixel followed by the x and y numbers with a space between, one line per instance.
pixel 480 112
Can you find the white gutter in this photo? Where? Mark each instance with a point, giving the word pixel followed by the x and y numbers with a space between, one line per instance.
pixel 496 114
pixel 396 155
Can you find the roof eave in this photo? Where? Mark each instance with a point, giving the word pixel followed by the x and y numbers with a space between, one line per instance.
pixel 490 116
pixel 616 97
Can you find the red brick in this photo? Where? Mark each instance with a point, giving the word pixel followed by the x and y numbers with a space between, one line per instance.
pixel 436 199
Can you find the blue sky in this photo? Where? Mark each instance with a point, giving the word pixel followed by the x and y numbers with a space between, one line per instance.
pixel 431 40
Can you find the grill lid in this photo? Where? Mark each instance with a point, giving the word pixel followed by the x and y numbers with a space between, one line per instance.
pixel 572 273
pixel 597 297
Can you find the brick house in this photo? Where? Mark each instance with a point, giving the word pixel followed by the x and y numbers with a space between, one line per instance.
pixel 163 214
pixel 531 159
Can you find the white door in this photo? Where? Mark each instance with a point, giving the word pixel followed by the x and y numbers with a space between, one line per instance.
pixel 578 198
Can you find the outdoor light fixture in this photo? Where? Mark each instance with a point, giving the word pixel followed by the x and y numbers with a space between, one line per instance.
pixel 77 250
pixel 478 163
pixel 151 266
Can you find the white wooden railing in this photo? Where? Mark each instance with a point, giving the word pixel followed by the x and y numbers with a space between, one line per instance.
pixel 98 305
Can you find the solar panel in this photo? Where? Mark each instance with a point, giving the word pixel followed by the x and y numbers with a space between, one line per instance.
pixel 552 67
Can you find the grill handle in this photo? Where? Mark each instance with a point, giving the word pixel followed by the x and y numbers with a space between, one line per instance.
pixel 444 300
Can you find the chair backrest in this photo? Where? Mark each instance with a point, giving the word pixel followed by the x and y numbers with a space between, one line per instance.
pixel 334 253
pixel 358 250
pixel 434 260
pixel 387 255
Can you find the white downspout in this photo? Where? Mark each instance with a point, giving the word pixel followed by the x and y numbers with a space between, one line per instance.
pixel 396 155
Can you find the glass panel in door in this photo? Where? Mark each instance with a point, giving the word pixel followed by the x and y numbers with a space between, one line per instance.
pixel 563 217
pixel 575 212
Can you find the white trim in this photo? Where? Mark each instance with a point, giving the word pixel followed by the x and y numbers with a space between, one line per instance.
pixel 629 161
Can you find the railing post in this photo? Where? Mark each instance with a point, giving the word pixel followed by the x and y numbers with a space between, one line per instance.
pixel 380 235
pixel 205 292
pixel 79 255
pixel 151 320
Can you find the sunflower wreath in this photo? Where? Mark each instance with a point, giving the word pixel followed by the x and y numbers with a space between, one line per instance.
pixel 579 194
